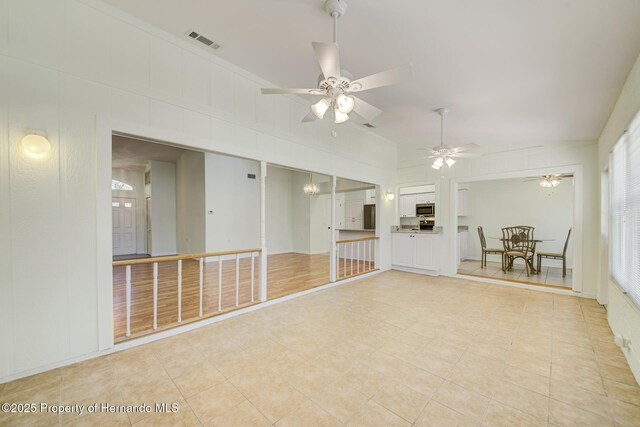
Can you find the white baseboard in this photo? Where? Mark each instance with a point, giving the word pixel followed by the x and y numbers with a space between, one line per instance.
pixel 416 270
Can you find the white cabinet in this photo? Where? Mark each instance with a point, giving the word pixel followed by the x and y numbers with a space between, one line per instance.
pixel 425 198
pixel 463 245
pixel 408 205
pixel 463 202
pixel 402 244
pixel 370 197
pixel 354 211
pixel 416 252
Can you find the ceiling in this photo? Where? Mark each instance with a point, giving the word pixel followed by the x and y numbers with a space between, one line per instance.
pixel 135 154
pixel 514 71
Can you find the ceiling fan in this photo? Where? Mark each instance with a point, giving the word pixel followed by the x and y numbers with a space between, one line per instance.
pixel 549 181
pixel 446 154
pixel 336 85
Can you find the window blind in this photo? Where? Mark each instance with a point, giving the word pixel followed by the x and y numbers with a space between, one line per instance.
pixel 624 170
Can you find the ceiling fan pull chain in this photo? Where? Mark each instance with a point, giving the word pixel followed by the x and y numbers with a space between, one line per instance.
pixel 335 16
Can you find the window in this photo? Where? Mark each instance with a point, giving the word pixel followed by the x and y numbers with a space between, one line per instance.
pixel 120 186
pixel 624 261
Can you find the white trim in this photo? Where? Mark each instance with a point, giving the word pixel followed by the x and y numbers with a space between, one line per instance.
pixel 181 329
pixel 578 208
pixel 416 270
pixel 519 285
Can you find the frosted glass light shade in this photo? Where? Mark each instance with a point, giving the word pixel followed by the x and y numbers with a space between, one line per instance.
pixel 35 146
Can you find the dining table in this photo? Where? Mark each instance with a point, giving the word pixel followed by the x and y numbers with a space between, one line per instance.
pixel 534 270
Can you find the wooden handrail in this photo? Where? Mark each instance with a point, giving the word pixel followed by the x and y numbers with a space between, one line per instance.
pixel 363 239
pixel 181 257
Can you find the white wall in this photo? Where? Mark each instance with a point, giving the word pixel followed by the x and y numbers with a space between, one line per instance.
pixel 136 179
pixel 301 213
pixel 623 314
pixel 498 160
pixel 279 207
pixel 502 203
pixel 190 206
pixel 163 208
pixel 67 65
pixel 235 202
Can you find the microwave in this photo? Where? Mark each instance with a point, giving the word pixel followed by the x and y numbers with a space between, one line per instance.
pixel 426 209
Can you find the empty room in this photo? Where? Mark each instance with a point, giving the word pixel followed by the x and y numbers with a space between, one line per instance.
pixel 320 213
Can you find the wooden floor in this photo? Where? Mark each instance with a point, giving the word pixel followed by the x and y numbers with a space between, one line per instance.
pixel 287 273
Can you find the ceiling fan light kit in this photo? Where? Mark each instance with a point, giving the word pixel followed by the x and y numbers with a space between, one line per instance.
pixel 336 85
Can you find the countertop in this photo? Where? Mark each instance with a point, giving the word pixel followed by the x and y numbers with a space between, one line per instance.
pixel 435 231
pixel 368 230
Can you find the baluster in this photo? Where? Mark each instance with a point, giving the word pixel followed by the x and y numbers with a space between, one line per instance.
pixel 128 296
pixel 351 272
pixel 237 278
pixel 201 283
pixel 358 259
pixel 337 261
pixel 252 273
pixel 219 283
pixel 370 254
pixel 155 295
pixel 179 290
pixel 344 260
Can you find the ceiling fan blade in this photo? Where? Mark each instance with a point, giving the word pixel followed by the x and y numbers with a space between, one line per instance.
pixel 311 117
pixel 464 155
pixel 466 147
pixel 531 179
pixel 328 57
pixel 365 110
pixel 284 91
pixel 384 78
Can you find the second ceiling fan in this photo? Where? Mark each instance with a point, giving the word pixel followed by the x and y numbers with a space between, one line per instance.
pixel 336 86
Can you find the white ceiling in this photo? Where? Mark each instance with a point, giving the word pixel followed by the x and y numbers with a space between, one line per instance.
pixel 514 71
pixel 135 154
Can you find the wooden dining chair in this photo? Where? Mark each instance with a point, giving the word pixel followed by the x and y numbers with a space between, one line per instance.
pixel 556 255
pixel 488 251
pixel 518 242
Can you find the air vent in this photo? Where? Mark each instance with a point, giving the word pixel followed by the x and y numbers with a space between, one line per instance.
pixel 204 40
pixel 369 125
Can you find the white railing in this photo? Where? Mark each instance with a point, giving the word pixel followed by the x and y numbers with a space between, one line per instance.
pixel 355 256
pixel 203 310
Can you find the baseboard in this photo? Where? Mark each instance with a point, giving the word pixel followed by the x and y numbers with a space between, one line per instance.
pixel 416 270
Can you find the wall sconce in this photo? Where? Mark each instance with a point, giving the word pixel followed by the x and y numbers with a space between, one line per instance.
pixel 389 195
pixel 35 146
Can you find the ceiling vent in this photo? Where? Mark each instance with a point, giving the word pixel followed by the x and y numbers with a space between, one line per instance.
pixel 369 125
pixel 202 39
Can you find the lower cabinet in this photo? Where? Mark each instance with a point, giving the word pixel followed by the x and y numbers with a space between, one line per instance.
pixel 417 251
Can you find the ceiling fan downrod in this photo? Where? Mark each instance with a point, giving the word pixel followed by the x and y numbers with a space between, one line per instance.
pixel 335 9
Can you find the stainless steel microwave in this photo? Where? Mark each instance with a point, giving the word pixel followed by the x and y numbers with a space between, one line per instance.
pixel 426 209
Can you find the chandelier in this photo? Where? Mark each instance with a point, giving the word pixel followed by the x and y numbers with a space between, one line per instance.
pixel 311 188
pixel 549 181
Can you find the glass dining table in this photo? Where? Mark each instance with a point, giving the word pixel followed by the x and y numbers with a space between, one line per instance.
pixel 532 266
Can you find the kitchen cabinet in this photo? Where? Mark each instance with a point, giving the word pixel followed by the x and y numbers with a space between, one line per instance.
pixel 408 205
pixel 370 197
pixel 416 252
pixel 463 245
pixel 354 211
pixel 463 202
pixel 422 198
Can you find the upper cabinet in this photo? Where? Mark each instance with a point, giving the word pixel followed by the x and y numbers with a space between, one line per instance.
pixel 370 197
pixel 463 202
pixel 408 205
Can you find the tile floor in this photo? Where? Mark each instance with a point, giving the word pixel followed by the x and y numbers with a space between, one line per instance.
pixel 394 349
pixel 550 276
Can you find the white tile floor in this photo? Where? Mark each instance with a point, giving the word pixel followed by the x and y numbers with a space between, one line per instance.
pixel 392 349
pixel 550 276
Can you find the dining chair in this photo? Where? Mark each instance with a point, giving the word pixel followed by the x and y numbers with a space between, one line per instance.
pixel 556 255
pixel 518 242
pixel 488 251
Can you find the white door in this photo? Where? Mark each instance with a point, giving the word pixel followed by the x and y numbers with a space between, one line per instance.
pixel 402 249
pixel 355 212
pixel 424 252
pixel 124 225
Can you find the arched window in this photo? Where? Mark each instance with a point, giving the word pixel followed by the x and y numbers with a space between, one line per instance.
pixel 120 186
